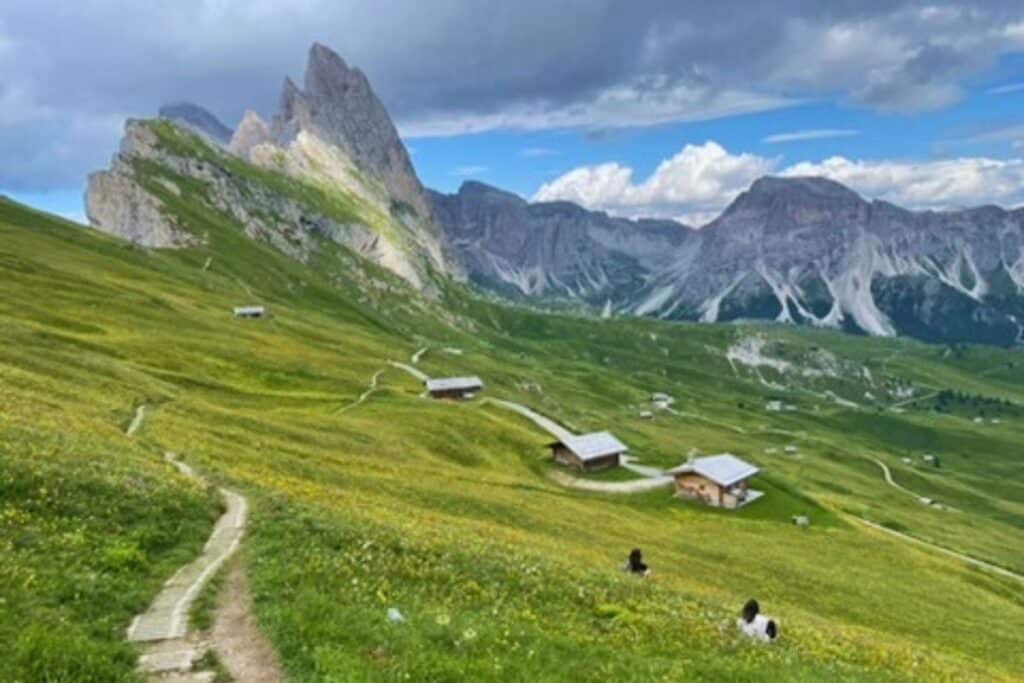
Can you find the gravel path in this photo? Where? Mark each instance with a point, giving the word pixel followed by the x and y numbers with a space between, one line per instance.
pixel 887 473
pixel 419 354
pixel 140 415
pixel 635 486
pixel 981 564
pixel 164 624
pixel 365 395
pixel 410 369
pixel 547 424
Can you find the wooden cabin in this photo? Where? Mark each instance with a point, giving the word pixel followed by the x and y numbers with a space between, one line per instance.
pixel 717 480
pixel 250 311
pixel 455 388
pixel 589 452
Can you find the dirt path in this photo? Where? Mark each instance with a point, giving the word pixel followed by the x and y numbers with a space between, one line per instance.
pixel 887 473
pixel 411 370
pixel 163 626
pixel 140 415
pixel 419 354
pixel 635 486
pixel 981 564
pixel 547 424
pixel 365 395
pixel 240 645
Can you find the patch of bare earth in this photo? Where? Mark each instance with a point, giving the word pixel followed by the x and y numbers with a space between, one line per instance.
pixel 240 645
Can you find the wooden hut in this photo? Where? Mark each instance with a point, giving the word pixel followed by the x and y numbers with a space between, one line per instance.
pixel 250 311
pixel 717 480
pixel 589 452
pixel 455 388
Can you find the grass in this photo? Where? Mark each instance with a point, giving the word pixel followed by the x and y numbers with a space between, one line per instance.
pixel 442 509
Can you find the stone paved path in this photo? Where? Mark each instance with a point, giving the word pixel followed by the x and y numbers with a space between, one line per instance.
pixel 164 624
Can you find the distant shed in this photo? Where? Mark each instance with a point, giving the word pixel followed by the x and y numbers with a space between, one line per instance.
pixel 589 452
pixel 250 311
pixel 717 480
pixel 456 388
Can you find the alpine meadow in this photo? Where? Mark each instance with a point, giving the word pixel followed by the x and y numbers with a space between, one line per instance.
pixel 214 402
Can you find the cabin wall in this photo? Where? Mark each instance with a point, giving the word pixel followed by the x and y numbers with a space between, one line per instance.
pixel 450 394
pixel 602 463
pixel 695 487
pixel 566 457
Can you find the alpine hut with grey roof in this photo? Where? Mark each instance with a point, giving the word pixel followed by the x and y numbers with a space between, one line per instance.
pixel 456 388
pixel 717 480
pixel 250 311
pixel 589 452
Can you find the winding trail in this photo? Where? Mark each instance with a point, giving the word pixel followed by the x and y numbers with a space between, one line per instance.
pixel 164 624
pixel 887 473
pixel 140 415
pixel 634 486
pixel 981 564
pixel 419 354
pixel 421 376
pixel 547 424
pixel 651 478
pixel 363 396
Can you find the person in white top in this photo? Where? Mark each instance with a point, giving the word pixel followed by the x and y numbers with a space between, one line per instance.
pixel 755 625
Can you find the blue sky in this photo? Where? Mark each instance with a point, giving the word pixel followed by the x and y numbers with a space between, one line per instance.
pixel 661 107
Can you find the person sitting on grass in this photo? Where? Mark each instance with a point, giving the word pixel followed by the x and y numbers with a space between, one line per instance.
pixel 755 625
pixel 635 564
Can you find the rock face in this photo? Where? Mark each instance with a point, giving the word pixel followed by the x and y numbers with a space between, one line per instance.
pixel 251 132
pixel 556 249
pixel 339 107
pixel 196 119
pixel 796 250
pixel 344 175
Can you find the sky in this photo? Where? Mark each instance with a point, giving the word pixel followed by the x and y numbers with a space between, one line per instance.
pixel 664 108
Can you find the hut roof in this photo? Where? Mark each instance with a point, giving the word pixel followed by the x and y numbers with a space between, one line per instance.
pixel 596 445
pixel 249 310
pixel 725 469
pixel 455 384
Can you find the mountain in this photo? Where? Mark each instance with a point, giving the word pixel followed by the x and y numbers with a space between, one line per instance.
pixel 555 249
pixel 337 167
pixel 197 119
pixel 796 250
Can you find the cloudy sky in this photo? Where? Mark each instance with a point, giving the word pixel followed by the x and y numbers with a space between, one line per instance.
pixel 654 107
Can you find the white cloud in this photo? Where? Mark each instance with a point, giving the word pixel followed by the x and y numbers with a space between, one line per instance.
pixel 1004 89
pixel 701 180
pixel 813 134
pixel 944 184
pixel 468 171
pixel 623 106
pixel 691 186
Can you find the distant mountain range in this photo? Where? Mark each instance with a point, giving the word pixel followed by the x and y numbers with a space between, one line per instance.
pixel 796 250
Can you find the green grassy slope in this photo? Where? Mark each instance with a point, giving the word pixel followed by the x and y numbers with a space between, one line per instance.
pixel 444 510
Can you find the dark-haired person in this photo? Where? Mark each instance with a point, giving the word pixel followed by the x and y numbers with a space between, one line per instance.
pixel 635 564
pixel 755 625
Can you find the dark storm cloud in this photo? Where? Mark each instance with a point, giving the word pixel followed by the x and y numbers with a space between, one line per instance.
pixel 70 71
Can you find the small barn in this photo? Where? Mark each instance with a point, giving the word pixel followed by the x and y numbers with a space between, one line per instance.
pixel 717 480
pixel 589 452
pixel 456 388
pixel 250 311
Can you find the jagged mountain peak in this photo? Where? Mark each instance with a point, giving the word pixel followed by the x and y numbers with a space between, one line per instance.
pixel 196 118
pixel 339 107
